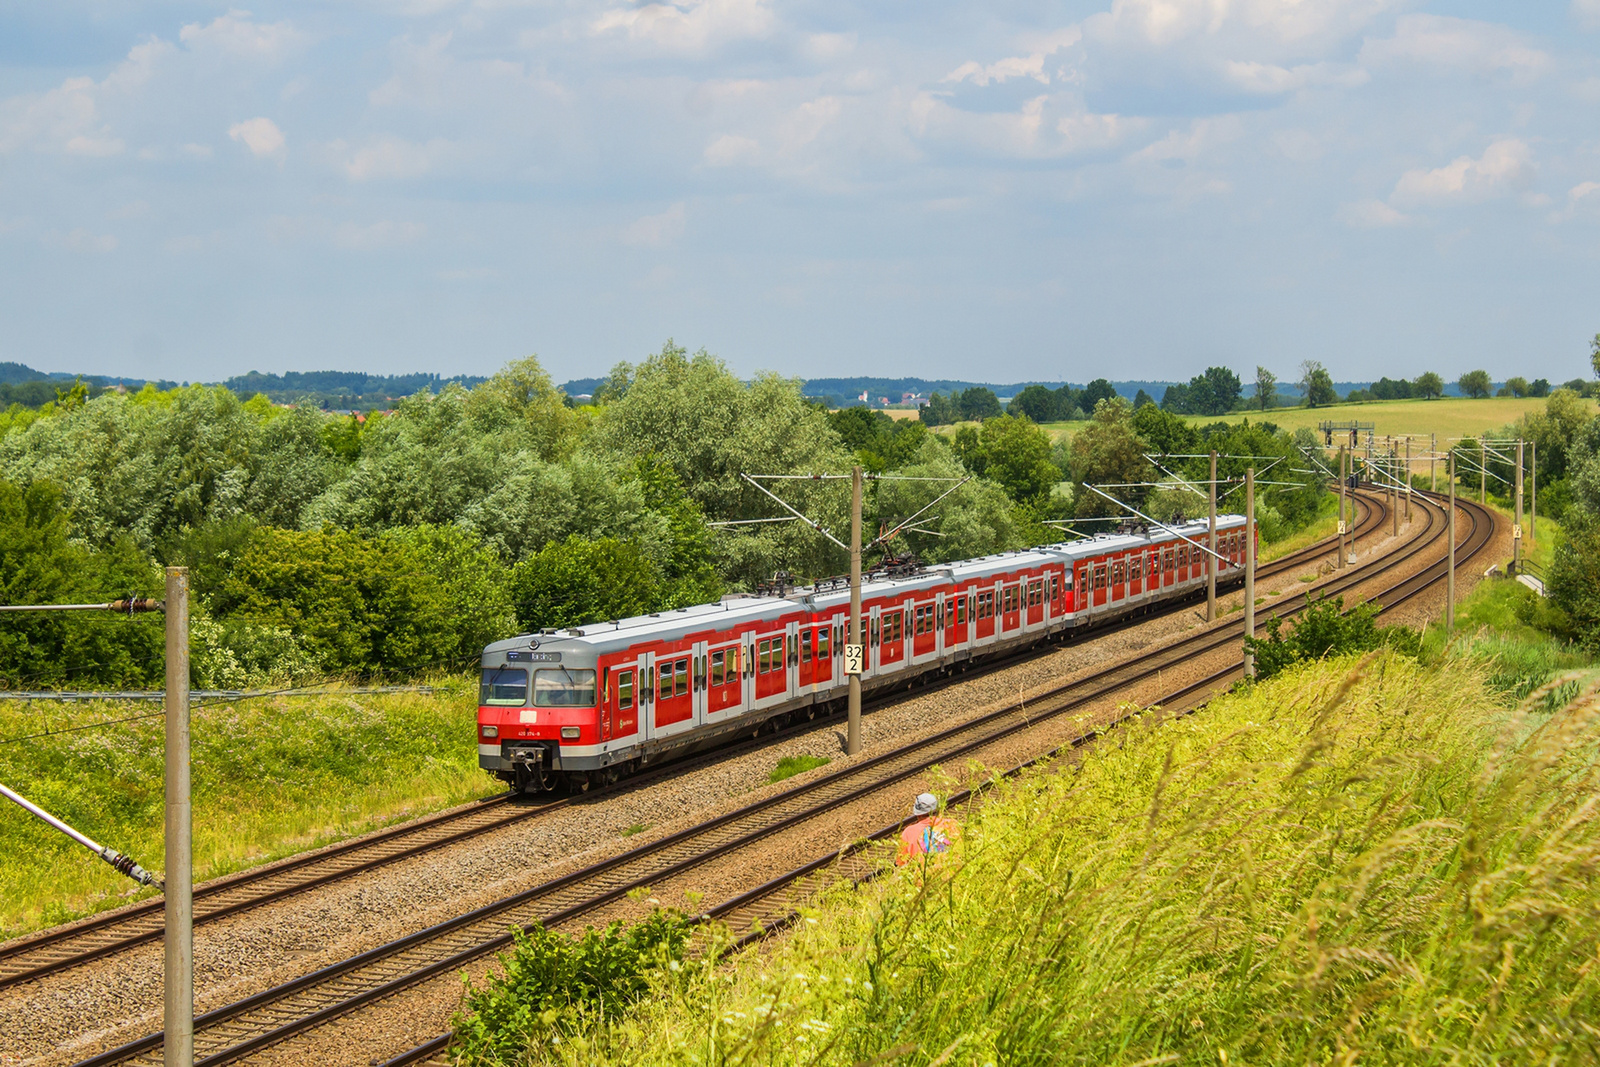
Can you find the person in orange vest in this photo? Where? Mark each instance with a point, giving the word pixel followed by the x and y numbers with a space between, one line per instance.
pixel 929 834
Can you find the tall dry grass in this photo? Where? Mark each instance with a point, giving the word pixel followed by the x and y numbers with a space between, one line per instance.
pixel 1359 861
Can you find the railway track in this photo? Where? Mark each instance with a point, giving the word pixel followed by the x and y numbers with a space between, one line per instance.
pixel 54 951
pixel 775 905
pixel 237 1030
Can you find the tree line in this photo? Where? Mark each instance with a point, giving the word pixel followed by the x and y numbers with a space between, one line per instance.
pixel 400 544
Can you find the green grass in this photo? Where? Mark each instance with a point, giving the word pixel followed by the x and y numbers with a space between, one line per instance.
pixel 1370 860
pixel 636 828
pixel 789 766
pixel 271 777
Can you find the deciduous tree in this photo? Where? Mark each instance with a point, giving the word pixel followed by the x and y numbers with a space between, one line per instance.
pixel 1475 384
pixel 1266 388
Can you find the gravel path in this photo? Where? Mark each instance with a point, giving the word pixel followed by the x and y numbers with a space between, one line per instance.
pixel 59 1020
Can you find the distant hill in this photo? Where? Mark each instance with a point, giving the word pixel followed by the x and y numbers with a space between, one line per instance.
pixel 342 389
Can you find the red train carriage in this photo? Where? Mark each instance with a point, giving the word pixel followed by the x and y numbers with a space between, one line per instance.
pixel 589 702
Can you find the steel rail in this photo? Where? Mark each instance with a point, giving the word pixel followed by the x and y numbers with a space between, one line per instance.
pixel 336 990
pixel 775 905
pixel 35 957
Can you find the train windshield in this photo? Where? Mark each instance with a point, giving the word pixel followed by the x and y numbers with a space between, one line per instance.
pixel 558 687
pixel 506 686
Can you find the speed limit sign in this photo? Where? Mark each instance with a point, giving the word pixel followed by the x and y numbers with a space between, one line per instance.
pixel 852 659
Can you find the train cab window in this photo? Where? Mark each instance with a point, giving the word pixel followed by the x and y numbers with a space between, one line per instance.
pixel 805 644
pixel 822 642
pixel 558 687
pixel 680 681
pixel 504 687
pixel 625 690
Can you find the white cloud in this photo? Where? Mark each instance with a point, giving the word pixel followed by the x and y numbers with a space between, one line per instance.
pixel 1587 12
pixel 1371 215
pixel 1301 23
pixel 1271 79
pixel 656 231
pixel 1042 128
pixel 235 35
pixel 81 240
pixel 731 149
pixel 689 25
pixel 1582 199
pixel 1506 166
pixel 392 157
pixel 1437 41
pixel 1003 70
pixel 260 135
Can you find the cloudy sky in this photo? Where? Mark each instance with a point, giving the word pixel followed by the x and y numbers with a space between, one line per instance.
pixel 1067 189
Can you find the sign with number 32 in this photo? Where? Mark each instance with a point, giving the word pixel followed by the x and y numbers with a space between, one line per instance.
pixel 852 659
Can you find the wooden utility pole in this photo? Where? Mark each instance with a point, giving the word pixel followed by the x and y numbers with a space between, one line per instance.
pixel 852 734
pixel 1516 531
pixel 1211 543
pixel 1450 581
pixel 178 1020
pixel 1249 567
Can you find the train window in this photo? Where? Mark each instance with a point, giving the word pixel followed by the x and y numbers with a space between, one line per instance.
pixel 986 605
pixel 764 657
pixel 893 627
pixel 805 644
pixel 663 680
pixel 625 690
pixel 718 668
pixel 1135 568
pixel 1119 572
pixel 504 686
pixel 559 687
pixel 680 684
pixel 822 643
pixel 961 611
pixel 1100 576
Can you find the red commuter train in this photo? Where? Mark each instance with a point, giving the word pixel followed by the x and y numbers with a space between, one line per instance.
pixel 588 703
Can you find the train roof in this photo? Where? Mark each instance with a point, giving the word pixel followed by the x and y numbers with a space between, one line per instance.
pixel 740 608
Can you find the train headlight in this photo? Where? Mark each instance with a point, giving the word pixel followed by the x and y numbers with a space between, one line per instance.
pixel 491 731
pixel 569 733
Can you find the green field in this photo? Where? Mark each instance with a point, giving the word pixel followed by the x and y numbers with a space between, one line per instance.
pixel 271 777
pixel 1449 417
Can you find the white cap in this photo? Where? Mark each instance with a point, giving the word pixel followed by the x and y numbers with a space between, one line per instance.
pixel 926 804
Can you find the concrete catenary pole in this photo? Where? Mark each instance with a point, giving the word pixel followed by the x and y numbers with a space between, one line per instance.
pixel 852 735
pixel 1450 568
pixel 1483 473
pixel 1408 479
pixel 1211 543
pixel 1249 567
pixel 1533 490
pixel 178 1020
pixel 1394 489
pixel 1433 457
pixel 1343 457
pixel 1516 531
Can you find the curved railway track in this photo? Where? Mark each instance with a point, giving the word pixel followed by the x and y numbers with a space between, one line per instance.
pixel 58 950
pixel 274 1015
pixel 775 905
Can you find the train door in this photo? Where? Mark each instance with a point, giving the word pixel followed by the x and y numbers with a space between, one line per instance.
pixel 1099 571
pixel 1119 579
pixel 1135 574
pixel 986 600
pixel 699 682
pixel 1011 607
pixel 623 697
pixel 791 672
pixel 1035 606
pixel 1081 586
pixel 772 668
pixel 723 691
pixel 822 655
pixel 891 637
pixel 925 628
pixel 673 707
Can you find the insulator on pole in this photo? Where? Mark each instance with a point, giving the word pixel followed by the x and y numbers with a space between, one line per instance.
pixel 122 864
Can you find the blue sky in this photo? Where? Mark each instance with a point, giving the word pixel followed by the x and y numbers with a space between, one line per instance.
pixel 1128 188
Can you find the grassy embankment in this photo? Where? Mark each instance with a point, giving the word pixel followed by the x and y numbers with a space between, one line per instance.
pixel 271 777
pixel 1362 859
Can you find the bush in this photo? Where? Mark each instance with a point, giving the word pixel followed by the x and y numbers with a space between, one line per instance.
pixel 1325 629
pixel 551 984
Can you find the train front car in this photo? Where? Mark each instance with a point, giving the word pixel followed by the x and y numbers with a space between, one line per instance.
pixel 537 693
